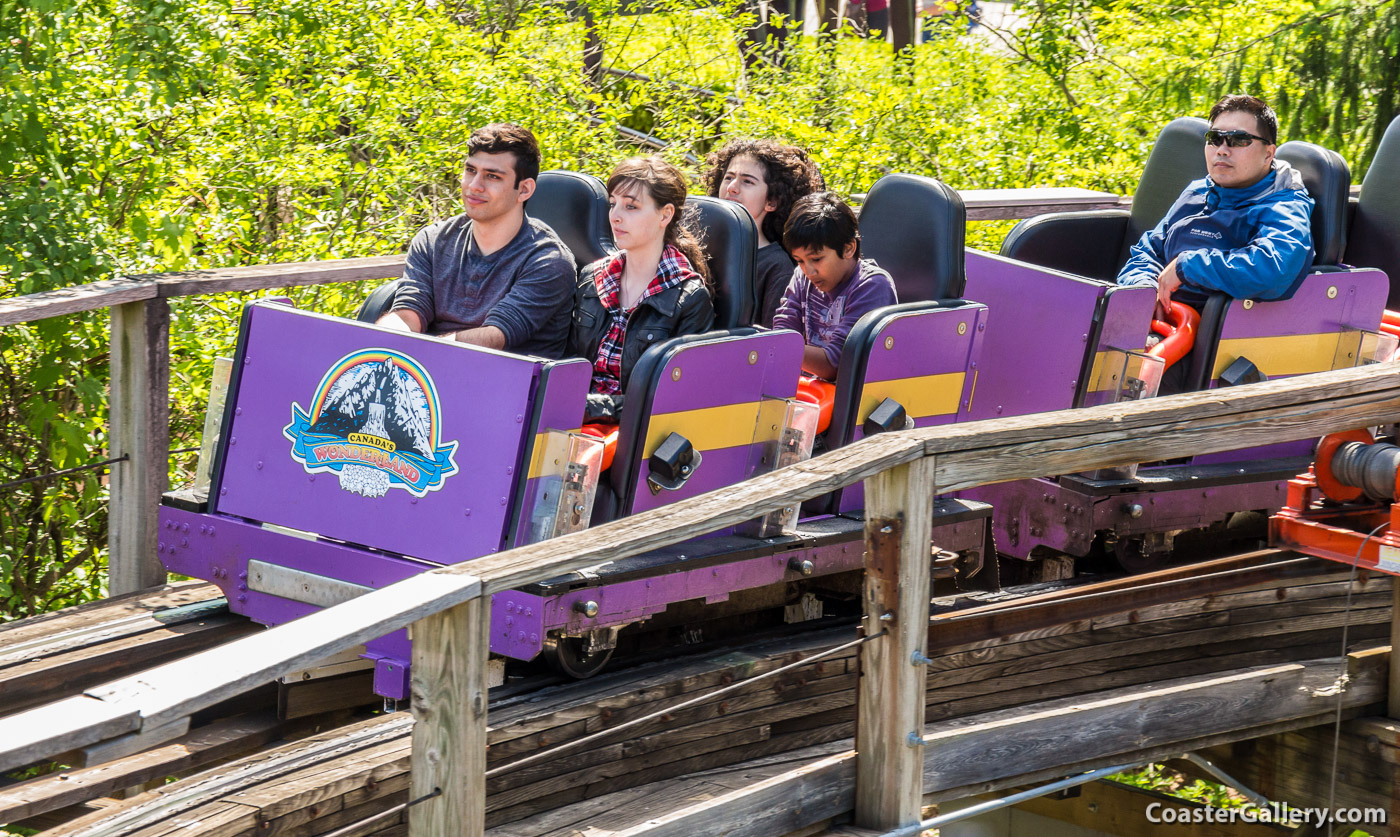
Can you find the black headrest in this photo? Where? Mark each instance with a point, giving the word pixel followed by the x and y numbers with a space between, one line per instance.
pixel 1328 180
pixel 730 240
pixel 1178 157
pixel 913 227
pixel 1374 237
pixel 576 206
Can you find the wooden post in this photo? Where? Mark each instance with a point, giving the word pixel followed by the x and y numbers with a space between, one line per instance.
pixel 1393 702
pixel 140 430
pixel 890 695
pixel 592 49
pixel 448 683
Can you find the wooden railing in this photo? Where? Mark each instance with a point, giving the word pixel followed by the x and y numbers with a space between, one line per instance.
pixel 140 359
pixel 448 609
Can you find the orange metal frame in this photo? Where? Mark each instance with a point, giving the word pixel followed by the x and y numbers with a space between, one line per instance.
pixel 1314 525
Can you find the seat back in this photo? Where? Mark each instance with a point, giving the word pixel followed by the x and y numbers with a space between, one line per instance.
pixel 920 354
pixel 913 227
pixel 1374 237
pixel 730 240
pixel 1328 181
pixel 711 389
pixel 576 206
pixel 1177 158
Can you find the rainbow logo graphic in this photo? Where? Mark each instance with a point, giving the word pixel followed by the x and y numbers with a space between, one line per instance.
pixel 375 421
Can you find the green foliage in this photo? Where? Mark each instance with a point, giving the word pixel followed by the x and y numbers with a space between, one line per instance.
pixel 151 135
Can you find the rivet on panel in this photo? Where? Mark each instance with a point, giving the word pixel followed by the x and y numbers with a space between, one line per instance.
pixel 676 374
pixel 889 342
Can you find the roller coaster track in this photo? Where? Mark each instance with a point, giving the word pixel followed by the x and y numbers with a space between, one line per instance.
pixel 318 773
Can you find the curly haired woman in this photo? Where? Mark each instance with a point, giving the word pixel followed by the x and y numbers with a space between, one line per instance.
pixel 765 177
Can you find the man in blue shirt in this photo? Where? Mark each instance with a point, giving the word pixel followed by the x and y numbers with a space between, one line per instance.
pixel 1244 230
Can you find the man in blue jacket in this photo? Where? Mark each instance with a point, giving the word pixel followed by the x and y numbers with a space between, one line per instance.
pixel 1244 230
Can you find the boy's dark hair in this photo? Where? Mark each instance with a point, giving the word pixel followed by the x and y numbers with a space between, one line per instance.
pixel 821 220
pixel 507 137
pixel 788 172
pixel 1264 116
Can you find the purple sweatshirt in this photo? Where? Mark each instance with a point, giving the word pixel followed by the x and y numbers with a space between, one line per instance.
pixel 826 320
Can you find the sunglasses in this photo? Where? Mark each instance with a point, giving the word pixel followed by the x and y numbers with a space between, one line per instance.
pixel 1234 139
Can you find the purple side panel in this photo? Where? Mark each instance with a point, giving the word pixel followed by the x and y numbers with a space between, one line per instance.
pixel 924 343
pixel 1357 303
pixel 1035 343
pixel 561 408
pixel 717 373
pixel 289 353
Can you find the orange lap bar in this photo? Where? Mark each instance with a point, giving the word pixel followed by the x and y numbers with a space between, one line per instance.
pixel 1178 333
pixel 1390 322
pixel 818 392
pixel 608 433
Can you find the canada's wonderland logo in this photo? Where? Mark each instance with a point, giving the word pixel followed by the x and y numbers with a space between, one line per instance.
pixel 374 420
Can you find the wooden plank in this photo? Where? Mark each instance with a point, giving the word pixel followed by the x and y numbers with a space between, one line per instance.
pixel 1010 204
pixel 140 430
pixel 890 693
pixel 177 689
pixel 983 452
pixel 1393 694
pixel 449 712
pixel 219 740
pixel 264 277
pixel 135 742
pixel 91 297
pixel 37 734
pixel 961 752
pixel 784 803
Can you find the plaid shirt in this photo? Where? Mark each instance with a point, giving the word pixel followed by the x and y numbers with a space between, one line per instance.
pixel 672 272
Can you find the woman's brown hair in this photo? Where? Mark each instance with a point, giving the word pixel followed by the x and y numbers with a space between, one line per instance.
pixel 664 183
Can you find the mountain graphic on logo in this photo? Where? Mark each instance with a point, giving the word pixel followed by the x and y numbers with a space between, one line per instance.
pixel 378 399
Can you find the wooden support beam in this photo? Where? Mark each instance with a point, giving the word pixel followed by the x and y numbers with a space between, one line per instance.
pixel 902 29
pixel 890 697
pixel 140 422
pixel 449 720
pixel 1393 696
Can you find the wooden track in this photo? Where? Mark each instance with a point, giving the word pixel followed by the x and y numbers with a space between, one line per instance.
pixel 1078 641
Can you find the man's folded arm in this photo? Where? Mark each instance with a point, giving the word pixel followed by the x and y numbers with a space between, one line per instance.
pixel 544 286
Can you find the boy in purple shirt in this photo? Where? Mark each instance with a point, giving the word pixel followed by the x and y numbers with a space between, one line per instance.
pixel 832 286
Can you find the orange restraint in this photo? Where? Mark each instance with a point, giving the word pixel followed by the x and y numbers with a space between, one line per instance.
pixel 608 433
pixel 821 393
pixel 1178 333
pixel 1390 322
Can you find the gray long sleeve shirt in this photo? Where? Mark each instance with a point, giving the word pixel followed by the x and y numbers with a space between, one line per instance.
pixel 525 288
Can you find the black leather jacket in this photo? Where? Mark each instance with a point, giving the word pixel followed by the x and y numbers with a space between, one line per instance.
pixel 686 309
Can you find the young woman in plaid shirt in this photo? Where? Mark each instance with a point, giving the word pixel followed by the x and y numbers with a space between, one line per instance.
pixel 654 289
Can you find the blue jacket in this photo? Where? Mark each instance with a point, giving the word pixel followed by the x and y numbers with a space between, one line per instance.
pixel 1250 243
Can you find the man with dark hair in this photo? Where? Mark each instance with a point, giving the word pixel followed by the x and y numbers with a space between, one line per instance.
pixel 492 276
pixel 1245 230
pixel 832 286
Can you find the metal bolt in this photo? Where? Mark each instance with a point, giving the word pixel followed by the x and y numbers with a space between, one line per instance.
pixel 801 566
pixel 1248 304
pixel 887 616
pixel 1332 292
pixel 587 608
pixel 889 342
pixel 962 328
pixel 1133 510
pixel 914 739
pixel 676 374
pixel 753 358
pixel 918 659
